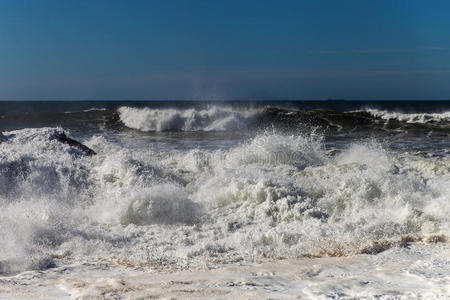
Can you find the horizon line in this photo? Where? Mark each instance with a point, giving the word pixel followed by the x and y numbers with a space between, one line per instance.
pixel 216 100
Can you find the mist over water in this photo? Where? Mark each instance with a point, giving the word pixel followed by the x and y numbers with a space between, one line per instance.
pixel 185 187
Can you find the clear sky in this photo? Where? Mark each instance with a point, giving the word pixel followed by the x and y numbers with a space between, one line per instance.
pixel 213 49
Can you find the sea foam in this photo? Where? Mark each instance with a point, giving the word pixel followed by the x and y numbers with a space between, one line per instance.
pixel 410 117
pixel 212 119
pixel 272 196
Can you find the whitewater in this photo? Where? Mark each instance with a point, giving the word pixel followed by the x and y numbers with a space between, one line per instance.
pixel 226 202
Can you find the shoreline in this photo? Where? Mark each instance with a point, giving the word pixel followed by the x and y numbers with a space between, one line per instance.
pixel 420 271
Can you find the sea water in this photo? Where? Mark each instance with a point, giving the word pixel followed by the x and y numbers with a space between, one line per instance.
pixel 332 199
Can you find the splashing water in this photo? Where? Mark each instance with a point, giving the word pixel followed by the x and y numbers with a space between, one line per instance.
pixel 272 196
pixel 211 119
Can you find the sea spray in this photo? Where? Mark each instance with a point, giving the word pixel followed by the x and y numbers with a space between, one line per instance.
pixel 274 195
pixel 212 119
pixel 411 117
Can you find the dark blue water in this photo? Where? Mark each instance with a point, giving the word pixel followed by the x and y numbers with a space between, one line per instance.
pixel 33 107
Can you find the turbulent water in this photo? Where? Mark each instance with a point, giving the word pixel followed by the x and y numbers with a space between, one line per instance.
pixel 189 185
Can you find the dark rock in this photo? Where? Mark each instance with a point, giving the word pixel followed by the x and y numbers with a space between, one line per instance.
pixel 61 137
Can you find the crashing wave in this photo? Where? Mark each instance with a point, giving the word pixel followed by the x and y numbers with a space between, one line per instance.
pixel 218 118
pixel 272 196
pixel 410 117
pixel 211 119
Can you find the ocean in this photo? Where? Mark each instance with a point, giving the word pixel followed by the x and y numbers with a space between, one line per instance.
pixel 233 199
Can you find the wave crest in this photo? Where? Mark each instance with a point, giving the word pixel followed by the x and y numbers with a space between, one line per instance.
pixel 410 117
pixel 211 119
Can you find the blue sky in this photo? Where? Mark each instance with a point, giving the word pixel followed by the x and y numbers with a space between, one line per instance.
pixel 192 49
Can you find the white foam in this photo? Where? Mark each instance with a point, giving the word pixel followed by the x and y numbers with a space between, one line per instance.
pixel 272 196
pixel 410 117
pixel 212 119
pixel 161 204
pixel 416 272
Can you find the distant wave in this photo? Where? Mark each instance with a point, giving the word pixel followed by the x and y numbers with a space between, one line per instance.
pixel 212 119
pixel 410 117
pixel 217 118
pixel 94 109
pixel 227 118
pixel 86 110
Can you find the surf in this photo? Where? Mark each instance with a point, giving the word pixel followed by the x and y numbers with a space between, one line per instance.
pixel 271 196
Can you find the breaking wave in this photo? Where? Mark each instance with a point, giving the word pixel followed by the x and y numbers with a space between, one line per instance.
pixel 248 118
pixel 211 119
pixel 217 118
pixel 410 117
pixel 272 196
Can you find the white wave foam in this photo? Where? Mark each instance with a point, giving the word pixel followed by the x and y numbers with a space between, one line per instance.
pixel 161 204
pixel 212 119
pixel 410 117
pixel 413 272
pixel 273 196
